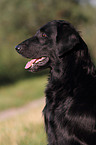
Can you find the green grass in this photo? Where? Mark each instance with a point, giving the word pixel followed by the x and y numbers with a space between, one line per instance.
pixel 22 92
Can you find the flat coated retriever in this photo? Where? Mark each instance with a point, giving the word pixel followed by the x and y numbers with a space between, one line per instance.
pixel 70 110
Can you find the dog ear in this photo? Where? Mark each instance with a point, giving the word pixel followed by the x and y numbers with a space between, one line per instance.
pixel 67 38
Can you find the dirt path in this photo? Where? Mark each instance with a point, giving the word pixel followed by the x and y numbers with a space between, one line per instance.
pixel 17 111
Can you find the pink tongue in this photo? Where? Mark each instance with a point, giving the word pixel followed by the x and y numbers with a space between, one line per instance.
pixel 29 64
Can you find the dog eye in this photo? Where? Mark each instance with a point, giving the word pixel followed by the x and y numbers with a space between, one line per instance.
pixel 44 35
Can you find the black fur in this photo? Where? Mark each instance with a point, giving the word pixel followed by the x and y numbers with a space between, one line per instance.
pixel 70 110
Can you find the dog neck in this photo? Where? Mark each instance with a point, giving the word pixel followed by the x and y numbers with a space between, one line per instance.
pixel 70 72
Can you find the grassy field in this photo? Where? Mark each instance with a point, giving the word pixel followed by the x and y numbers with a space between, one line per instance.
pixel 25 129
pixel 22 92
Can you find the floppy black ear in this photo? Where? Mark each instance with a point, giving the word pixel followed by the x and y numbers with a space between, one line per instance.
pixel 67 38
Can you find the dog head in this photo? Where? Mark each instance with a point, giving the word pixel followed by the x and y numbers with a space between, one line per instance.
pixel 50 42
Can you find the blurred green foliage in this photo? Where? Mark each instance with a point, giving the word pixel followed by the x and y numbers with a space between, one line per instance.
pixel 20 19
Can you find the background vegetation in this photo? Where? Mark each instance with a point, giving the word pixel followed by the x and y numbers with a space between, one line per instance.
pixel 20 19
pixel 22 92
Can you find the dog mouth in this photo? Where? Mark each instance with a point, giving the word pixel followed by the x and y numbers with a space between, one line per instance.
pixel 35 63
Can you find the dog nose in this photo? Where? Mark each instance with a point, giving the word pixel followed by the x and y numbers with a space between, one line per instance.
pixel 18 48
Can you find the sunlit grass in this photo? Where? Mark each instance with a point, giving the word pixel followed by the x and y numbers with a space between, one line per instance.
pixel 25 129
pixel 22 92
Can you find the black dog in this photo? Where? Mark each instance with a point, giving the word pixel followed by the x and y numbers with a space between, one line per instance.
pixel 70 111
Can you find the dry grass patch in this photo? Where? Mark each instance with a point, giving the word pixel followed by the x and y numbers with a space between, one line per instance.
pixel 25 129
